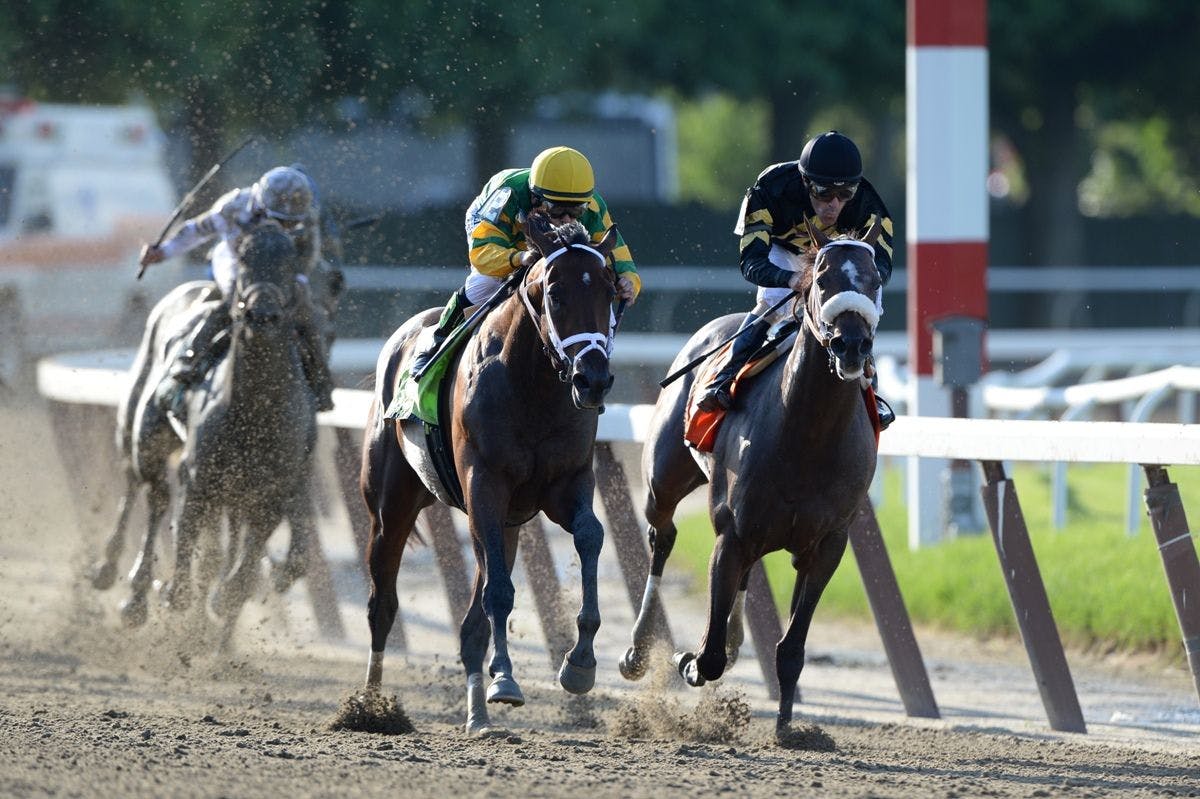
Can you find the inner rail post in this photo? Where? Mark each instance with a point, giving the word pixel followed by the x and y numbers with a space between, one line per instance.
pixel 1178 553
pixel 1030 603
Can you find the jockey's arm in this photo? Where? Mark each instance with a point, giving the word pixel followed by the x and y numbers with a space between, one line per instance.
pixel 754 229
pixel 192 234
pixel 629 282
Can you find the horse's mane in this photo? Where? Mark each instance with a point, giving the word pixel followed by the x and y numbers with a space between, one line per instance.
pixel 572 232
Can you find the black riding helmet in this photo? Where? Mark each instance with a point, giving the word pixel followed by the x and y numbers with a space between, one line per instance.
pixel 831 159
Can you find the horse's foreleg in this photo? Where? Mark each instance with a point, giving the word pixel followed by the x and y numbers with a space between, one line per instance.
pixel 724 577
pixel 737 631
pixel 190 516
pixel 500 549
pixel 577 674
pixel 810 582
pixel 104 571
pixel 133 609
pixel 661 536
pixel 231 593
pixel 300 514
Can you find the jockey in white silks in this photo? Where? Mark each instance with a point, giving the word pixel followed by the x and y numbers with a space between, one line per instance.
pixel 283 195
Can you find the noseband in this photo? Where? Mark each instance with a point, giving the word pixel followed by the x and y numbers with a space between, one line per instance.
pixel 819 316
pixel 601 342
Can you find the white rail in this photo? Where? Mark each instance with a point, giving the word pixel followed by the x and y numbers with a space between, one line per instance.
pixel 100 378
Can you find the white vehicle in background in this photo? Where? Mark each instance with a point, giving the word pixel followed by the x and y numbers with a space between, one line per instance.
pixel 80 188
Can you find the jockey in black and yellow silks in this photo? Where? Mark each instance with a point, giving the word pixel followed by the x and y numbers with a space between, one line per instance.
pixel 559 182
pixel 826 187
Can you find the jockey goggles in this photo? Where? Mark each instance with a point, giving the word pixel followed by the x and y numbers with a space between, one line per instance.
pixel 844 192
pixel 557 210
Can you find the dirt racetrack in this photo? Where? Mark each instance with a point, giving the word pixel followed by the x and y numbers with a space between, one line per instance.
pixel 89 709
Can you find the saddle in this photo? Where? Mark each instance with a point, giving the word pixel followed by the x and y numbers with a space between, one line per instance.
pixel 700 427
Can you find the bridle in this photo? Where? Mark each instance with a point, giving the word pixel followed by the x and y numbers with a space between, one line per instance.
pixel 819 315
pixel 557 350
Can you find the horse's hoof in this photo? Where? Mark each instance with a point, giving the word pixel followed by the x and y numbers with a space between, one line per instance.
pixel 478 726
pixel 685 662
pixel 103 575
pixel 133 612
pixel 504 689
pixel 576 679
pixel 633 665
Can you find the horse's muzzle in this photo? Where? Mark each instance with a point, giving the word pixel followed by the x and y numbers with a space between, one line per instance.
pixel 589 386
pixel 850 351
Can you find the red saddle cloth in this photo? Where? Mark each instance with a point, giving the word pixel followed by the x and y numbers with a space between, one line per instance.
pixel 700 428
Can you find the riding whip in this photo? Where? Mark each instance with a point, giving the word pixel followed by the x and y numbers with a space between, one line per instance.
pixel 702 357
pixel 191 195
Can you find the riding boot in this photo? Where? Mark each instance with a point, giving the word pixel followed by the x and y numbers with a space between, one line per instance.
pixel 197 357
pixel 452 317
pixel 717 394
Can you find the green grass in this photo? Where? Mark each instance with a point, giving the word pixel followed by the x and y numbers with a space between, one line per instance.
pixel 1107 590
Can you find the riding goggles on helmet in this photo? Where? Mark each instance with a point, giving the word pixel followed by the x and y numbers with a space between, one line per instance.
pixel 844 192
pixel 556 210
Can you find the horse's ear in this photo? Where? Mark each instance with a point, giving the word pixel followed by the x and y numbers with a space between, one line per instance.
pixel 608 243
pixel 818 238
pixel 537 231
pixel 873 234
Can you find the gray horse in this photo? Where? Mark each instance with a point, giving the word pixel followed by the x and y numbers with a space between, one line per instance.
pixel 246 447
pixel 790 466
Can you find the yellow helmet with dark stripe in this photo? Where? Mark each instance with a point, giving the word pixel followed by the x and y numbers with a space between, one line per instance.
pixel 562 175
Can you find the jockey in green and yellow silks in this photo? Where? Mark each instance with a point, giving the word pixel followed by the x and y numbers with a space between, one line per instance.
pixel 559 182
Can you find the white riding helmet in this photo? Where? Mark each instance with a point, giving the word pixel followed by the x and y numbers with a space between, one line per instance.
pixel 284 193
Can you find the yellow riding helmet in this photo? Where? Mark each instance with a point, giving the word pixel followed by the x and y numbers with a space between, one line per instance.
pixel 562 175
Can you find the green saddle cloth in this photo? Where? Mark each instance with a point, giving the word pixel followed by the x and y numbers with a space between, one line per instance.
pixel 418 399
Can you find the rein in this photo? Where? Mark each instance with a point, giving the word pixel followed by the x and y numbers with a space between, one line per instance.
pixel 602 342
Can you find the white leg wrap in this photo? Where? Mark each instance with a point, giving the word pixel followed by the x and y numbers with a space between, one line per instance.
pixel 477 715
pixel 648 597
pixel 375 670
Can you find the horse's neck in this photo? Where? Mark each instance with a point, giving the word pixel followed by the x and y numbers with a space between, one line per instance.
pixel 258 372
pixel 528 366
pixel 811 392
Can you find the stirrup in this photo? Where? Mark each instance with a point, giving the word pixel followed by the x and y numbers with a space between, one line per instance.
pixel 886 414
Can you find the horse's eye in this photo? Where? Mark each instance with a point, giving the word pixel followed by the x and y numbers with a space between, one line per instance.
pixel 554 298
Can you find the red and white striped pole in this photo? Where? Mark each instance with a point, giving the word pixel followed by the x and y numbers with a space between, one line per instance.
pixel 947 224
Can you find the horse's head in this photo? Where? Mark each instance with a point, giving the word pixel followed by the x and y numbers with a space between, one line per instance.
pixel 569 294
pixel 841 304
pixel 265 279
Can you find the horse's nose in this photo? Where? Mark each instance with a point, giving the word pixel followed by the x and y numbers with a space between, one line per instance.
pixel 851 348
pixel 589 387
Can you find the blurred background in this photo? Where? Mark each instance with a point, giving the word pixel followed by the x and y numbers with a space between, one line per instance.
pixel 403 109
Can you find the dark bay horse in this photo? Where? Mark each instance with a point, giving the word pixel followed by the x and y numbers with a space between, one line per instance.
pixel 790 465
pixel 522 413
pixel 246 448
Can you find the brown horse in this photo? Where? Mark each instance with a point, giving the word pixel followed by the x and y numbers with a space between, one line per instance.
pixel 522 414
pixel 790 465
